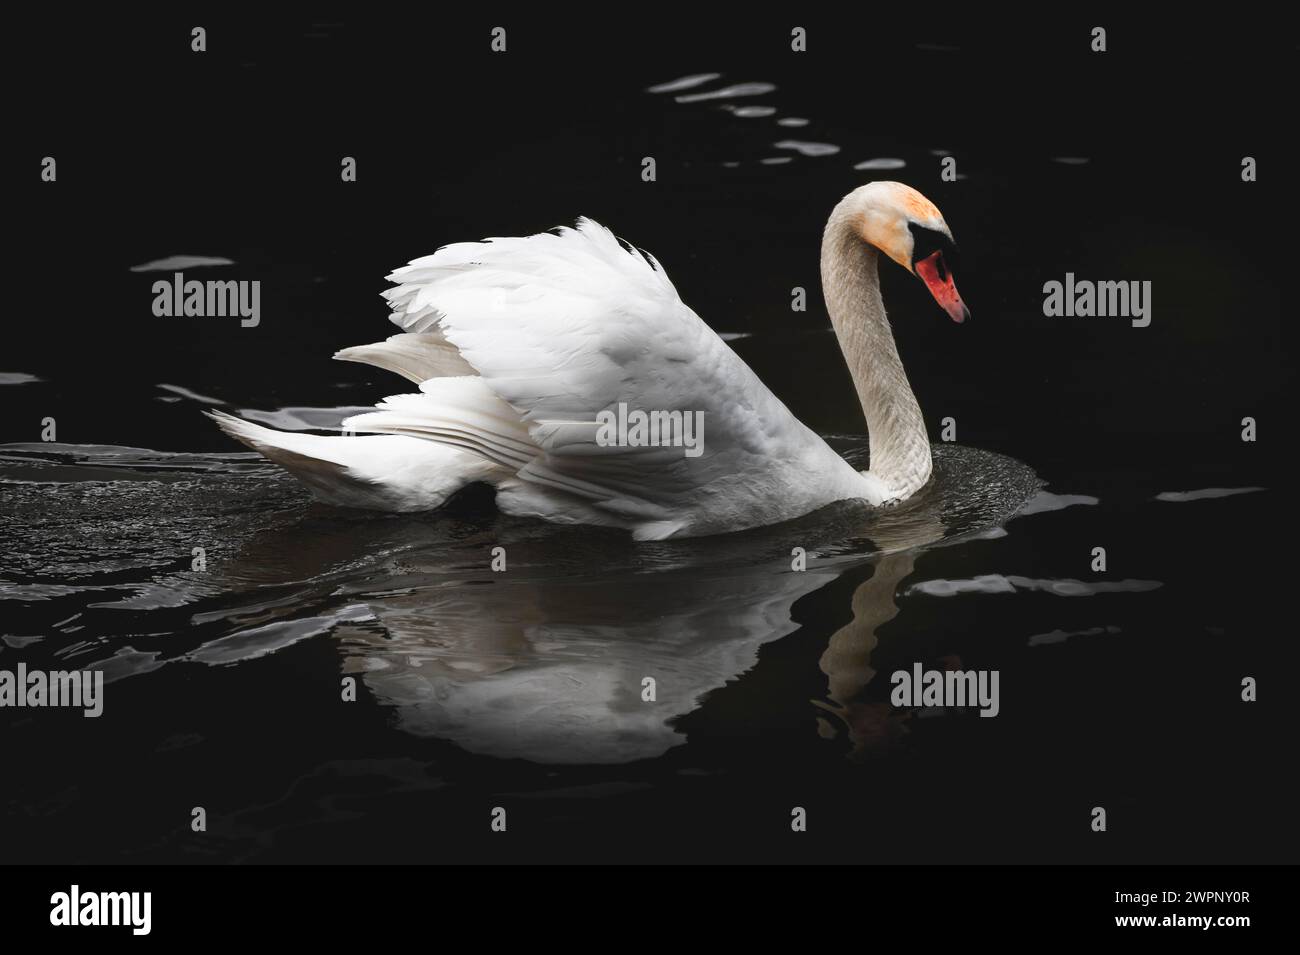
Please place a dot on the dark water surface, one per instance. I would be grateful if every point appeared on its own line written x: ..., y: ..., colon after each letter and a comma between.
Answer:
x: 522, y: 689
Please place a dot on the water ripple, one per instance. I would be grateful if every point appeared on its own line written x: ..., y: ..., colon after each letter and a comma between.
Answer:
x: 807, y: 148
x: 999, y: 584
x: 175, y: 263
x: 881, y: 164
x: 1206, y: 493
x: 684, y: 83
x: 729, y: 92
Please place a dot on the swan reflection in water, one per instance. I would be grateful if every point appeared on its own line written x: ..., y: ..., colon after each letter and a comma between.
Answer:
x: 871, y: 725
x: 548, y: 661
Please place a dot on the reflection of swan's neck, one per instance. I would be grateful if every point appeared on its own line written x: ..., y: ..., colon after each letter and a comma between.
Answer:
x: 847, y: 660
x: 900, y: 450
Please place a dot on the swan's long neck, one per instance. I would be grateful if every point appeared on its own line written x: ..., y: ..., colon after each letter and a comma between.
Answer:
x: 900, y: 449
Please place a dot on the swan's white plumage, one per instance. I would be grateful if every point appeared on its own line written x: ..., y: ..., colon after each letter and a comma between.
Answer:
x: 562, y: 325
x: 379, y: 472
x: 461, y: 412
x: 415, y: 356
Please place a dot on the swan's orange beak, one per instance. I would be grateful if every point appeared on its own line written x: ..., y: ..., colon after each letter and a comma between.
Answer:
x: 933, y: 271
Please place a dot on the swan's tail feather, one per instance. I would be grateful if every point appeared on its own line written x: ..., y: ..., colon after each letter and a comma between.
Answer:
x: 278, y: 445
x: 307, y: 457
x: 381, y: 472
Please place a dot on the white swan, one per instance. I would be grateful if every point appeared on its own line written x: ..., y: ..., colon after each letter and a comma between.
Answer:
x: 517, y: 344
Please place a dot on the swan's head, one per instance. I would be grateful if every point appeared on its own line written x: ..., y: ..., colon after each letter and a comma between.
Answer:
x: 907, y: 227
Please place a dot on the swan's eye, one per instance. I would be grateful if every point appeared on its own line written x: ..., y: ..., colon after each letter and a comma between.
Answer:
x: 929, y: 244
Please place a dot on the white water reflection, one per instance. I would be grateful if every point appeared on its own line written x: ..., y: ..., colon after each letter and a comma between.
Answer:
x: 1060, y: 636
x: 999, y: 584
x: 178, y: 262
x: 1206, y: 493
x: 1045, y: 501
x: 808, y: 149
x: 884, y: 163
x: 684, y: 83
x: 192, y: 395
x: 554, y: 671
x: 729, y: 92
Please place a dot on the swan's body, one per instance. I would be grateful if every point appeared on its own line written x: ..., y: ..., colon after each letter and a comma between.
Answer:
x: 517, y: 344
